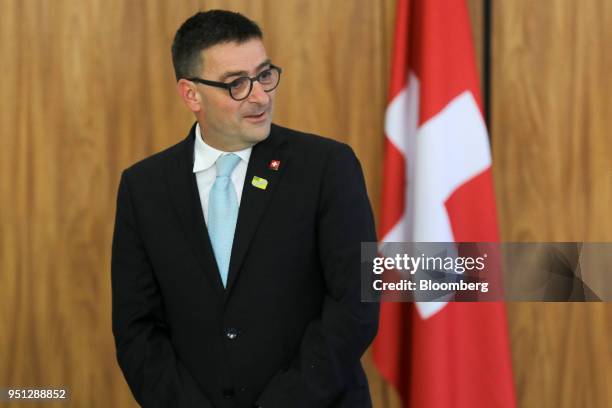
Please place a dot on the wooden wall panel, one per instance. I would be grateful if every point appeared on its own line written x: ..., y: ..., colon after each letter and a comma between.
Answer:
x: 86, y: 88
x: 551, y: 115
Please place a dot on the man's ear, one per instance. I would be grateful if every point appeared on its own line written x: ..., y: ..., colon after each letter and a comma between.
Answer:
x: 189, y: 94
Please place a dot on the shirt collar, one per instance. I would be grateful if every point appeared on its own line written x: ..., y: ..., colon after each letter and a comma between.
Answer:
x: 205, y: 155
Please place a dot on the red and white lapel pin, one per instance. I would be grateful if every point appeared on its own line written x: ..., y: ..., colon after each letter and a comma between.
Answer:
x: 274, y: 165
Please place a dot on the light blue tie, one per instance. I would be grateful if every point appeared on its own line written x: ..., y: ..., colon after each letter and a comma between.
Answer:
x: 223, y: 213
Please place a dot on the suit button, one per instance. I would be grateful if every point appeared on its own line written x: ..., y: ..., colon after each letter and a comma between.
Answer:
x: 228, y: 393
x: 231, y: 333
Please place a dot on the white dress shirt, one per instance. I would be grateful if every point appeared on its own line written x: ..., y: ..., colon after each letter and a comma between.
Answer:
x: 205, y: 170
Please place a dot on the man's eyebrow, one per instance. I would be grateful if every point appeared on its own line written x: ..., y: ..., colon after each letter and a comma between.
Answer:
x: 229, y: 74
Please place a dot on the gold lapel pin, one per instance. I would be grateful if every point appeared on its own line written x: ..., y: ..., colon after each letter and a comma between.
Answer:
x: 259, y: 182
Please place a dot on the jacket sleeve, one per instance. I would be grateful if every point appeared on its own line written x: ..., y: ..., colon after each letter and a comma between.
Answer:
x: 155, y: 375
x: 333, y: 344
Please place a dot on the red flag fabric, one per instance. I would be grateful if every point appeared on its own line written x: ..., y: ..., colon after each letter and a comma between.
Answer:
x: 438, y: 187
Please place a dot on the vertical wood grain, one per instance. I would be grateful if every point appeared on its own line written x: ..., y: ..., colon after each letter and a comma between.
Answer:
x: 551, y: 114
x: 86, y: 89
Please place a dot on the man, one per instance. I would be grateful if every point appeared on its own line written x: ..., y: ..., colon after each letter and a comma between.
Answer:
x: 236, y: 252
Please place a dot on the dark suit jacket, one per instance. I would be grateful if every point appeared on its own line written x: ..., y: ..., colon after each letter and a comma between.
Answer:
x: 289, y: 329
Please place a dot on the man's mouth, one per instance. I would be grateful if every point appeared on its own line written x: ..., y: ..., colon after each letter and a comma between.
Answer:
x: 258, y: 117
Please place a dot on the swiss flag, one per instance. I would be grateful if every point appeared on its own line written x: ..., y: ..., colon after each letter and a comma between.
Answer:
x: 438, y: 187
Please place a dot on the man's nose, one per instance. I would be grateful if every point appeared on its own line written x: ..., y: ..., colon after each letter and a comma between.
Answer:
x: 258, y: 95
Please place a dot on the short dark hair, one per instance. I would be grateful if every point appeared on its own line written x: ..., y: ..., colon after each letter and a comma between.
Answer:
x: 203, y: 30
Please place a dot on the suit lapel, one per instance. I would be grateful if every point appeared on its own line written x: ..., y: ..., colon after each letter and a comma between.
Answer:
x: 256, y: 200
x: 186, y: 200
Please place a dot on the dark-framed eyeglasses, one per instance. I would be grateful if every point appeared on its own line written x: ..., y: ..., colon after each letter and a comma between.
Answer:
x: 240, y: 88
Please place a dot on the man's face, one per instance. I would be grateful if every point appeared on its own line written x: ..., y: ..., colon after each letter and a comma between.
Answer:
x: 228, y: 124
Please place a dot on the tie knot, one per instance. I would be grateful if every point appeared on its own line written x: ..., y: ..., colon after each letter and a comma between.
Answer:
x: 226, y: 164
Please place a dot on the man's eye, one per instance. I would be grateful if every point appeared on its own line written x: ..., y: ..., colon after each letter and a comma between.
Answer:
x: 265, y: 74
x: 238, y: 83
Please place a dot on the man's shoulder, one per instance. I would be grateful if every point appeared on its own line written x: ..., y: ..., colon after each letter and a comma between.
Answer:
x: 156, y: 162
x: 308, y: 142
